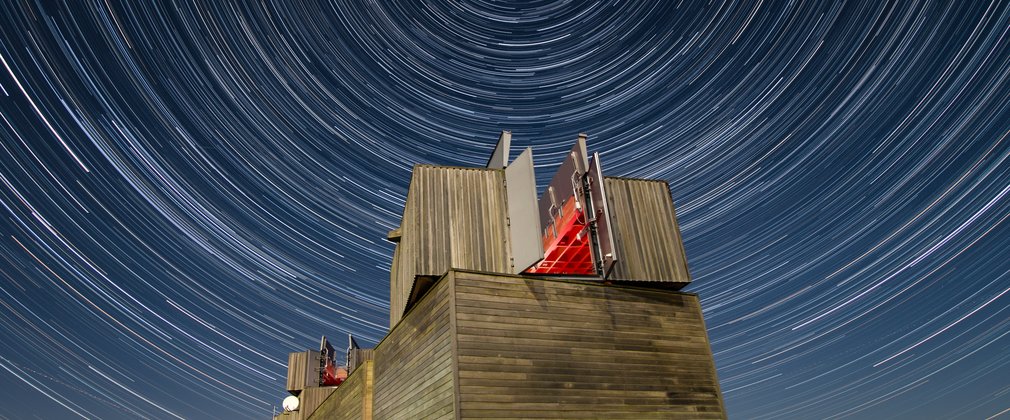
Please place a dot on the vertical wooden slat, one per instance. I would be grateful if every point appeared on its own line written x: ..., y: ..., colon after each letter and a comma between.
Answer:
x: 453, y: 218
x: 296, y: 371
x: 645, y: 230
x: 302, y: 370
x: 358, y: 357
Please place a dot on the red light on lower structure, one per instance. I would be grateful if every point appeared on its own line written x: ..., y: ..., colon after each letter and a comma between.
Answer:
x: 567, y: 246
x: 333, y: 375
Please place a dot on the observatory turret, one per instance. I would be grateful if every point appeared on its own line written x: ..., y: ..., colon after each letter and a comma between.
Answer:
x: 506, y: 303
x: 584, y: 225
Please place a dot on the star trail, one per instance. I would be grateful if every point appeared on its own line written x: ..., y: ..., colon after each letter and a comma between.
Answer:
x: 190, y: 190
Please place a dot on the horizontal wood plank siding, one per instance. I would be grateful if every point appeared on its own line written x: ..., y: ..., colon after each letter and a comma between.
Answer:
x: 368, y: 399
x: 352, y: 400
x: 311, y: 398
x: 645, y: 231
x: 530, y: 348
x: 452, y: 218
x: 413, y: 364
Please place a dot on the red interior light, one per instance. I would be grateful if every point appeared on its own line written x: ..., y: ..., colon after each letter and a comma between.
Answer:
x: 566, y: 246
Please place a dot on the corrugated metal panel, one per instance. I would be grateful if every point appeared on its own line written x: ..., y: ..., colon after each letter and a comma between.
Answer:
x: 453, y: 218
x: 645, y: 231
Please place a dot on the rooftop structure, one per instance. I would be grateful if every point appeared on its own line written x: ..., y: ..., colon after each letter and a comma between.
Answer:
x: 506, y: 305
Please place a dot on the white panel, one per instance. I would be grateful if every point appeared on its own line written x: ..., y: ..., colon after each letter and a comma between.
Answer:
x: 500, y: 156
x: 524, y: 217
x: 598, y: 195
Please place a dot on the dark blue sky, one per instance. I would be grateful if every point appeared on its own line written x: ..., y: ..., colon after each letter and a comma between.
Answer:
x: 191, y: 191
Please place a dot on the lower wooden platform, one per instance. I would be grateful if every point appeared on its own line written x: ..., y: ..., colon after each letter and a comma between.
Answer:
x: 480, y: 345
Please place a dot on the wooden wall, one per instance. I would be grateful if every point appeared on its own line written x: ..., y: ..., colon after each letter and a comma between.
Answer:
x: 368, y: 393
x: 645, y: 230
x: 352, y: 400
x: 303, y: 370
x: 530, y: 348
x: 452, y: 218
x: 413, y: 364
x: 483, y: 345
x: 309, y: 399
x: 358, y: 357
x: 456, y: 218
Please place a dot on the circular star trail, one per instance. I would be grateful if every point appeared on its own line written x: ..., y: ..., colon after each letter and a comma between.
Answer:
x: 190, y: 191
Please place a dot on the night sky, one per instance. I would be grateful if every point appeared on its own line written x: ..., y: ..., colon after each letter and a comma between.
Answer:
x: 192, y: 191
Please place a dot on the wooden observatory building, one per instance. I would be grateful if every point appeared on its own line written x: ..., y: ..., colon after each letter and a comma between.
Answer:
x: 509, y: 304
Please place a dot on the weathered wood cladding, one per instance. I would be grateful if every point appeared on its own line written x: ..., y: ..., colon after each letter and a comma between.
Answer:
x: 456, y: 218
x: 484, y: 345
x: 645, y: 230
x: 352, y: 400
x: 452, y: 218
x: 413, y: 364
x: 303, y: 370
x: 309, y: 400
x: 358, y: 357
x: 367, y: 402
x: 530, y: 348
x: 296, y: 371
